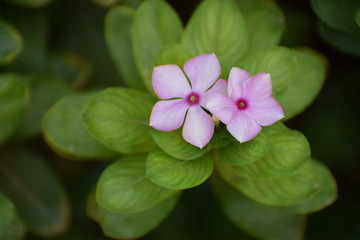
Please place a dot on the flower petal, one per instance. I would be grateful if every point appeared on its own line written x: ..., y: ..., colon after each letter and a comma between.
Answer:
x: 220, y: 87
x: 198, y: 127
x: 169, y: 81
x: 257, y: 87
x: 202, y: 71
x: 168, y: 115
x: 243, y: 127
x: 266, y: 111
x: 237, y: 77
x: 222, y: 107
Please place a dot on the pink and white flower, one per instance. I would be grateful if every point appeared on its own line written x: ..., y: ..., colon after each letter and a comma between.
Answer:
x: 249, y: 104
x: 184, y: 99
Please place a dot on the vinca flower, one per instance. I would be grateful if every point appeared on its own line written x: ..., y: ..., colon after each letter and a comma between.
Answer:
x: 249, y: 104
x: 182, y: 100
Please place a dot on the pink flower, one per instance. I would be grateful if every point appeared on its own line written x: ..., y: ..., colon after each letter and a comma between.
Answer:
x: 249, y: 105
x: 185, y: 99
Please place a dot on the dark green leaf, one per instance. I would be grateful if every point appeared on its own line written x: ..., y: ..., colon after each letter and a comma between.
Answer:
x: 118, y: 39
x: 10, y: 42
x: 119, y: 119
x: 63, y: 120
x: 14, y: 97
x: 29, y: 3
x: 124, y: 188
x: 11, y: 227
x: 176, y: 174
x: 155, y: 24
x: 217, y: 26
x: 38, y: 196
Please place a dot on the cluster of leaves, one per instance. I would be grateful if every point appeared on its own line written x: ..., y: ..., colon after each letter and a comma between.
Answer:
x: 340, y: 23
x: 271, y: 177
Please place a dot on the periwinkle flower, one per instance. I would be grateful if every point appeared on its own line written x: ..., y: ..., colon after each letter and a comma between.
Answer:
x: 249, y: 104
x: 183, y: 100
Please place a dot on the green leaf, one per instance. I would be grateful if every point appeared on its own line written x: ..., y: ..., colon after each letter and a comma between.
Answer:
x: 265, y: 22
x: 325, y: 196
x: 11, y: 227
x: 357, y: 17
x: 174, y: 144
x: 63, y: 120
x: 34, y: 189
x: 133, y: 225
x: 288, y: 150
x: 285, y: 191
x: 124, y: 187
x: 306, y: 82
x: 155, y: 24
x: 172, y: 54
x: 345, y: 42
x: 177, y: 174
x: 45, y: 91
x: 10, y: 42
x: 118, y: 40
x: 29, y: 3
x: 244, y: 153
x: 14, y: 97
x: 217, y: 27
x: 119, y: 119
x: 338, y: 13
x: 260, y: 221
x: 106, y: 3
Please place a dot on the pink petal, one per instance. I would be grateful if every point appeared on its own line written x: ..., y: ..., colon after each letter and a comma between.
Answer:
x: 169, y: 81
x: 237, y: 77
x: 222, y: 107
x: 168, y: 115
x: 243, y: 127
x: 198, y: 127
x: 202, y: 71
x: 257, y: 87
x: 266, y: 111
x: 220, y: 87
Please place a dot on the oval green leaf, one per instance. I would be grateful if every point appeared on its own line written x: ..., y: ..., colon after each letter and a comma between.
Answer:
x: 217, y: 26
x: 10, y: 42
x: 177, y: 174
x: 14, y: 97
x: 119, y: 119
x: 61, y: 122
x: 11, y: 227
x: 118, y: 40
x: 174, y: 144
x: 288, y: 150
x: 124, y: 187
x: 36, y: 192
x: 285, y: 191
x: 155, y: 24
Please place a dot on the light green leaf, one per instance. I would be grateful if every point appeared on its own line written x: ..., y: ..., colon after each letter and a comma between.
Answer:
x: 306, y: 82
x: 63, y: 120
x: 288, y: 150
x: 133, y: 225
x: 124, y: 188
x: 265, y: 22
x: 119, y: 119
x: 325, y: 196
x: 45, y: 91
x: 177, y: 174
x: 29, y: 3
x: 174, y: 144
x: 10, y: 42
x: 217, y: 26
x: 14, y: 97
x: 244, y: 153
x: 118, y: 40
x: 155, y: 24
x: 285, y: 191
x: 11, y: 227
x: 260, y: 221
x: 172, y: 54
x: 34, y: 189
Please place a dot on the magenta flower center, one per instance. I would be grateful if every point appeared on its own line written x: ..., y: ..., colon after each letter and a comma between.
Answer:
x: 193, y: 98
x: 241, y: 104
